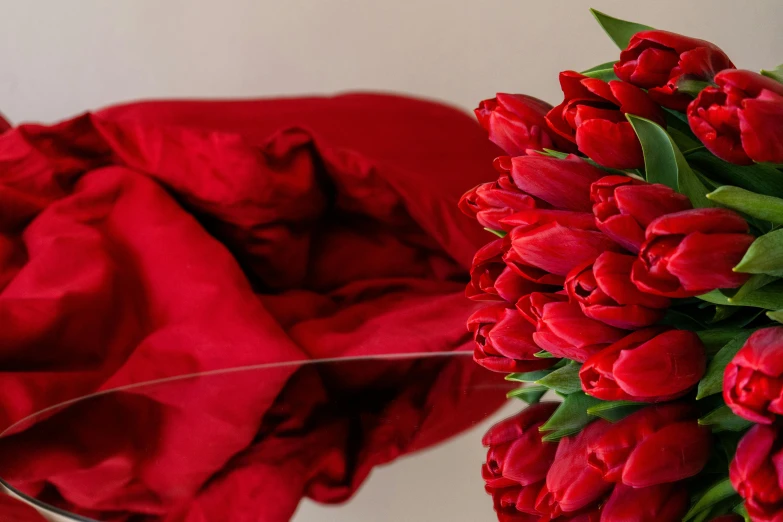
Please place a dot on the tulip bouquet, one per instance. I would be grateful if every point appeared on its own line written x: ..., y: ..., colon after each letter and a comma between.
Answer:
x: 637, y: 274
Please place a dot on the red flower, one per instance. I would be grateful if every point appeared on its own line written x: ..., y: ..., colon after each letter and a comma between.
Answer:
x: 571, y: 484
x: 564, y: 331
x: 692, y: 252
x: 656, y: 445
x: 504, y: 340
x: 740, y: 120
x: 661, y: 503
x: 488, y: 203
x: 537, y: 250
x: 605, y: 292
x: 563, y: 183
x: 492, y: 280
x: 650, y: 365
x: 592, y: 115
x: 517, y: 455
x: 756, y: 472
x: 516, y: 123
x: 516, y: 503
x: 624, y: 206
x: 657, y: 60
x: 753, y: 380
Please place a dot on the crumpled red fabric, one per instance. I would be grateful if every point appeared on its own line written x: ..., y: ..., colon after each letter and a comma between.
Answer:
x: 159, y: 239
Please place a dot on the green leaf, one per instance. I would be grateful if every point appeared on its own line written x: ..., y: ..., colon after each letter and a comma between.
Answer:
x: 570, y: 417
x: 529, y: 376
x: 613, y: 411
x: 741, y: 511
x: 681, y: 320
x: 723, y: 312
x: 759, y: 178
x: 543, y: 354
x: 755, y: 282
x: 716, y: 339
x: 759, y: 206
x: 684, y: 141
x: 565, y: 380
x: 769, y: 297
x: 690, y: 86
x: 664, y: 163
x: 712, y: 382
x: 600, y: 67
x: 620, y: 31
x: 776, y: 73
x: 499, y: 233
x: 529, y: 394
x: 776, y: 315
x: 765, y: 255
x: 723, y: 419
x: 719, y: 491
x: 556, y: 153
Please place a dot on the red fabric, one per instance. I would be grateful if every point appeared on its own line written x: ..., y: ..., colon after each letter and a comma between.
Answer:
x: 167, y: 238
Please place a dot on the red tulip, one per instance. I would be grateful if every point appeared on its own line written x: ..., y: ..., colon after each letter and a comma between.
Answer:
x: 564, y: 331
x: 537, y: 251
x: 650, y: 365
x: 517, y: 455
x: 624, y: 206
x: 504, y: 340
x: 515, y: 504
x: 692, y: 252
x: 604, y: 291
x: 656, y: 445
x: 756, y: 472
x: 532, y: 305
x: 490, y: 202
x: 753, y: 380
x: 592, y: 115
x: 563, y: 183
x: 661, y: 503
x: 492, y: 280
x: 516, y: 123
x: 657, y: 60
x: 571, y: 484
x: 740, y: 120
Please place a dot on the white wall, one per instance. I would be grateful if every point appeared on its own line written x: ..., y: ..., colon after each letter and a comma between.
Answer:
x: 60, y: 57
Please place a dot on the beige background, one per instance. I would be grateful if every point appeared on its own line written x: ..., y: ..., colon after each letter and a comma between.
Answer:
x: 60, y: 57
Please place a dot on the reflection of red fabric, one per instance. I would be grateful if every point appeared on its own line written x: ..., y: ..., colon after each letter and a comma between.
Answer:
x: 159, y: 239
x: 12, y: 510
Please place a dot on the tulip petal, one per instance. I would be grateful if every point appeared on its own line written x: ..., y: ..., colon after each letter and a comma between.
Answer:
x: 662, y: 503
x: 761, y: 127
x: 675, y: 452
x: 667, y: 365
x: 704, y: 262
x: 563, y: 183
x: 610, y: 144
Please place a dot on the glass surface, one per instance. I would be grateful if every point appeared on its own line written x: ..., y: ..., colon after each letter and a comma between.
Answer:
x: 262, y: 438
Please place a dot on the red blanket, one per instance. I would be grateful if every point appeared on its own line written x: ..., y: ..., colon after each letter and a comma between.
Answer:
x: 167, y: 238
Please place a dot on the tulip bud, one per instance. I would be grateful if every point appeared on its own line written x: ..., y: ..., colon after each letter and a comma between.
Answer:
x: 504, y: 340
x: 516, y: 503
x: 564, y: 331
x: 650, y: 365
x: 656, y: 445
x: 592, y: 115
x: 656, y: 60
x: 536, y: 250
x: 492, y: 280
x: 692, y: 252
x: 571, y: 484
x: 516, y: 123
x: 624, y: 206
x: 740, y: 120
x: 661, y: 503
x: 490, y: 202
x: 563, y: 183
x: 756, y: 474
x: 605, y: 293
x: 517, y: 455
x: 753, y: 380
